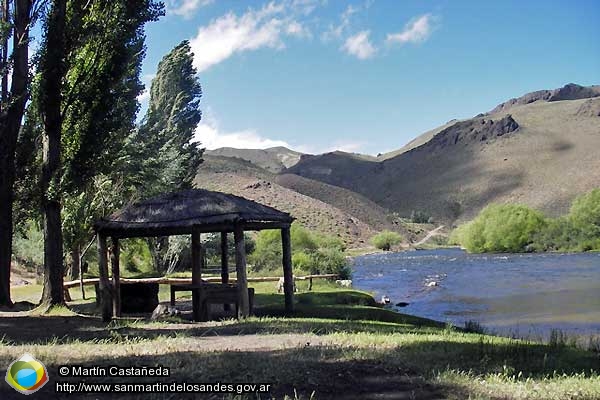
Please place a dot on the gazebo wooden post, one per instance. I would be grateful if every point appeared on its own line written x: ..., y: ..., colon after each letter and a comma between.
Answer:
x: 224, y: 263
x: 288, y: 278
x: 105, y: 290
x: 240, y: 266
x: 116, y: 277
x: 196, y: 273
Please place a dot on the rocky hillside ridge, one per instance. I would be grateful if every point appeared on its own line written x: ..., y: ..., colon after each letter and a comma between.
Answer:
x: 537, y: 150
x: 312, y: 213
x: 469, y: 131
x: 570, y: 91
x: 541, y: 154
x: 274, y: 159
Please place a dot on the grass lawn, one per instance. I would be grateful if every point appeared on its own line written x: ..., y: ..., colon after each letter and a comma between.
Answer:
x: 338, y: 344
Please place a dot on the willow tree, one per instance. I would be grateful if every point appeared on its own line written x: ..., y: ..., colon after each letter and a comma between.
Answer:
x: 167, y: 131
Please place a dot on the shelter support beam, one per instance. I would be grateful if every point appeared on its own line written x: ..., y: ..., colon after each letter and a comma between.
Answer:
x: 224, y: 264
x: 224, y: 260
x: 288, y: 278
x: 105, y: 290
x: 116, y: 277
x: 240, y: 266
x: 196, y: 274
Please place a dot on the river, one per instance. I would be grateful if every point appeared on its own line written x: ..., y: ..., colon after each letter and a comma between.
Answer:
x: 525, y: 295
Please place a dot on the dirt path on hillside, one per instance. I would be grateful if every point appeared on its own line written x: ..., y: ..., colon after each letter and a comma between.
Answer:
x: 430, y: 234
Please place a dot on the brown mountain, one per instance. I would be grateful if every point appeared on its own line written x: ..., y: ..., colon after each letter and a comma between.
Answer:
x: 320, y: 207
x: 539, y: 149
x: 274, y: 159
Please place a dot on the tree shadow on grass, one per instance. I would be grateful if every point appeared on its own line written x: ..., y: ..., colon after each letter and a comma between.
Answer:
x: 30, y: 330
x: 404, y: 371
x: 290, y: 371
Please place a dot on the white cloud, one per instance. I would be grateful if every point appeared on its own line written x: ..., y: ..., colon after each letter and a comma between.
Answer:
x: 360, y: 46
x: 211, y: 137
x: 336, y: 31
x: 341, y: 145
x: 417, y: 30
x: 306, y: 7
x: 147, y: 81
x: 144, y: 96
x: 230, y: 34
x: 295, y: 28
x: 186, y: 8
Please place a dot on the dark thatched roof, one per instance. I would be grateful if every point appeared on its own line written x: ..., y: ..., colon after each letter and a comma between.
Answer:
x: 178, y: 212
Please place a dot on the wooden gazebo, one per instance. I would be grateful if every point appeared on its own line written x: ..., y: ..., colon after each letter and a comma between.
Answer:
x: 192, y: 212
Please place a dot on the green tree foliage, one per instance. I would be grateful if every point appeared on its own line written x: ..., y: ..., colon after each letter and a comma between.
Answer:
x: 106, y: 43
x: 585, y: 213
x: 212, y: 247
x: 559, y: 234
x: 16, y: 20
x: 511, y: 228
x: 311, y: 253
x: 420, y: 217
x: 501, y: 228
x: 104, y: 46
x: 167, y: 130
x: 166, y: 156
x: 577, y: 231
x: 386, y: 240
x: 102, y: 83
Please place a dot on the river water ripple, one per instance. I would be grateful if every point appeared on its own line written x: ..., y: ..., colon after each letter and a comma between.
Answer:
x: 524, y: 295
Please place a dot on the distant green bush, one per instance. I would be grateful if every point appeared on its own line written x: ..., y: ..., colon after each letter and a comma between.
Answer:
x: 28, y: 244
x: 420, y: 217
x: 501, y: 228
x: 301, y: 261
x: 514, y: 228
x: 386, y: 240
x: 212, y: 246
x: 135, y: 256
x: 585, y: 214
x: 311, y: 253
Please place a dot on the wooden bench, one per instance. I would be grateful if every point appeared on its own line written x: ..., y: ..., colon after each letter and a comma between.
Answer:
x: 213, y: 294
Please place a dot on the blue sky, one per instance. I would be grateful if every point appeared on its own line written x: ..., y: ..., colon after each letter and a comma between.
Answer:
x: 368, y: 76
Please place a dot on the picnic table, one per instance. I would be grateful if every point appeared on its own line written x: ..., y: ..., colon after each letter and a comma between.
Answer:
x: 213, y: 293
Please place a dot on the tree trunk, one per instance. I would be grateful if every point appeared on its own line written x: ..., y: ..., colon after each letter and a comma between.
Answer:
x: 53, y: 70
x: 10, y: 122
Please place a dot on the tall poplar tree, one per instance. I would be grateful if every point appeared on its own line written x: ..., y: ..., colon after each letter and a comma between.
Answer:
x: 165, y: 136
x: 16, y: 20
x: 89, y: 81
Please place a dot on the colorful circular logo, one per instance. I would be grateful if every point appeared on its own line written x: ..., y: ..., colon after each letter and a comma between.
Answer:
x: 26, y: 375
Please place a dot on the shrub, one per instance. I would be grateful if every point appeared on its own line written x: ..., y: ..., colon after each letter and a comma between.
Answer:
x: 136, y: 256
x: 514, y: 228
x: 420, y: 217
x: 559, y: 234
x: 311, y: 253
x: 585, y: 213
x: 301, y: 261
x: 329, y: 260
x: 386, y: 239
x: 28, y: 245
x: 577, y: 231
x: 501, y: 228
x: 212, y: 246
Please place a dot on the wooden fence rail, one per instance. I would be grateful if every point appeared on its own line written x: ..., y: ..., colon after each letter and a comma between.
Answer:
x: 184, y: 281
